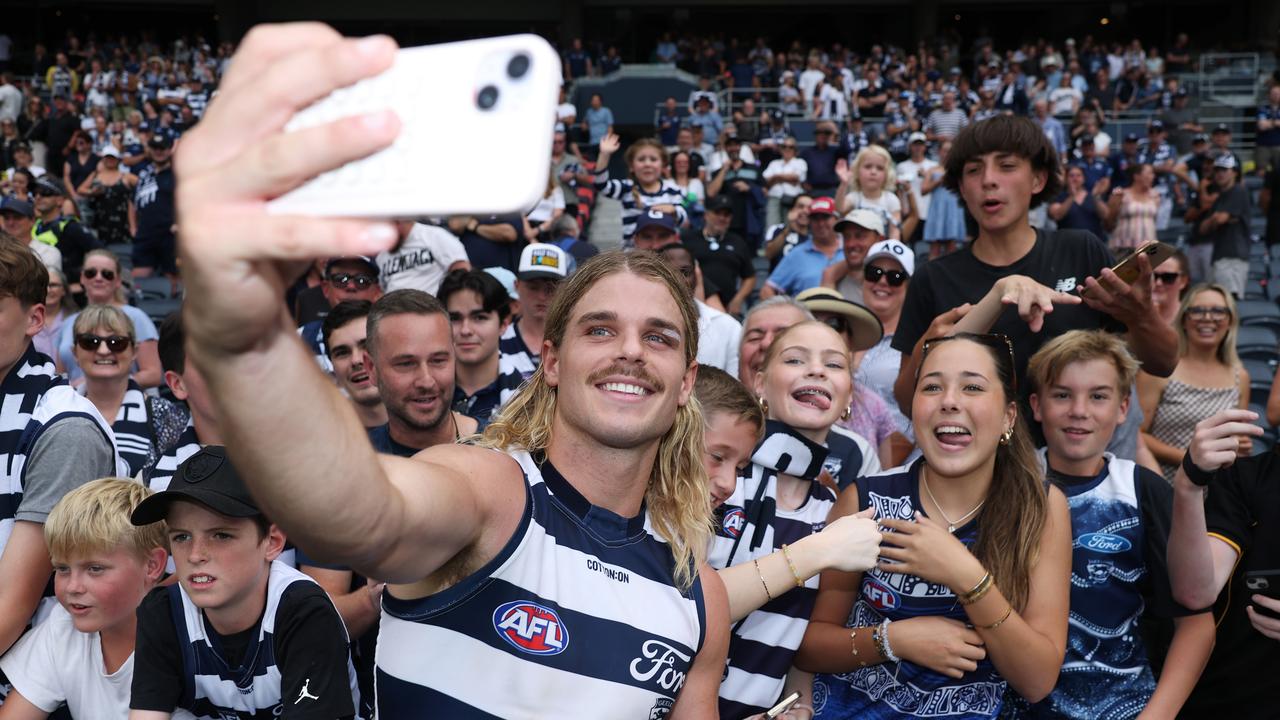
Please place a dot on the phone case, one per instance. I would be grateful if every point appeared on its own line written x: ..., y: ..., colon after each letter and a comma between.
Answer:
x: 452, y: 154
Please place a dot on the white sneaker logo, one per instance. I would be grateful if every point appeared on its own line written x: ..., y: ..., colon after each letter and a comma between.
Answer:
x: 305, y: 694
x: 1066, y: 285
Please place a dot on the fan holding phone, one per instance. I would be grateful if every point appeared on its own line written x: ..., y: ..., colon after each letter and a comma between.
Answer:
x: 1225, y: 549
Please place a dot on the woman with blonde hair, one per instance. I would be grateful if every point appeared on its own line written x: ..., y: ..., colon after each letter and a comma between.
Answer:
x: 105, y: 347
x: 971, y: 592
x: 1209, y: 377
x: 103, y: 285
x: 871, y: 182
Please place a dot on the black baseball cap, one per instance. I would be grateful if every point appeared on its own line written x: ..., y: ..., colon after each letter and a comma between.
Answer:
x: 1221, y: 128
x: 719, y: 202
x: 207, y: 478
x: 160, y: 141
x: 47, y: 184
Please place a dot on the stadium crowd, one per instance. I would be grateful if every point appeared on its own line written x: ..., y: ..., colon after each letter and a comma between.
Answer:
x: 874, y: 418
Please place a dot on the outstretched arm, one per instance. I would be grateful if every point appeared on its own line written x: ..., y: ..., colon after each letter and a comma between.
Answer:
x: 401, y: 519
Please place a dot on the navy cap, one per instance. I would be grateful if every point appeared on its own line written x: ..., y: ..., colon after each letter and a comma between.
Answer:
x: 1131, y: 137
x: 1181, y: 93
x: 49, y: 185
x: 207, y: 478
x: 776, y: 115
x: 1200, y: 138
x: 1221, y: 128
x: 160, y: 141
x: 363, y: 259
x: 657, y: 218
x: 14, y: 205
x: 719, y: 202
x: 1156, y: 126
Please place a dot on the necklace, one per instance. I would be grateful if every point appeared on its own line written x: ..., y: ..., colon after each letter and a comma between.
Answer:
x: 951, y: 524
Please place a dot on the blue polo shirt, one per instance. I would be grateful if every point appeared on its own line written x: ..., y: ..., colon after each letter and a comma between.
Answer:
x: 802, y: 268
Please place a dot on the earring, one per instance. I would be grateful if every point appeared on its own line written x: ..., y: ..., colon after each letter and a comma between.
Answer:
x: 848, y: 410
x: 764, y: 406
x: 1006, y: 437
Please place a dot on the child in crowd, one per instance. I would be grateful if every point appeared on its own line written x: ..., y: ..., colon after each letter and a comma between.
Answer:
x: 1120, y: 515
x: 82, y: 654
x: 203, y: 642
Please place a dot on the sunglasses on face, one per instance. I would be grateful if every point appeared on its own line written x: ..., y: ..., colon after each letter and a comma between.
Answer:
x: 351, y: 281
x: 1167, y: 278
x: 895, y: 278
x: 115, y: 343
x: 92, y: 273
x: 1001, y: 344
x: 1200, y: 312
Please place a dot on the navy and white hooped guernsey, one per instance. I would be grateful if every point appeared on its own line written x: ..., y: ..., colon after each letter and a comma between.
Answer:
x: 211, y: 689
x: 577, y: 617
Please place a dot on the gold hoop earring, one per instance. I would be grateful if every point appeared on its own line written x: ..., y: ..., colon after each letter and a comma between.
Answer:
x: 764, y: 406
x: 848, y: 410
x: 1006, y: 437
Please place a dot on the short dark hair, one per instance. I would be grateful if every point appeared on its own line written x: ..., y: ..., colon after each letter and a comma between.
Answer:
x: 406, y: 301
x: 22, y: 274
x: 1020, y: 136
x: 341, y: 314
x: 493, y: 297
x: 173, y: 356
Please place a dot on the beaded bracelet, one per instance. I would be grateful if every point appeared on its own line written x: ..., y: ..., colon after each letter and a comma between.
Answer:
x: 881, y: 637
x: 786, y: 552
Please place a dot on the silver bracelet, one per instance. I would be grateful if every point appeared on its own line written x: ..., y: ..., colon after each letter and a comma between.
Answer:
x: 884, y: 638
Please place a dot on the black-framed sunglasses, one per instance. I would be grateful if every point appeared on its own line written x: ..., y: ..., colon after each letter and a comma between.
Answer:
x: 1167, y: 278
x: 92, y: 273
x: 1201, y: 312
x: 115, y: 343
x: 998, y: 342
x: 872, y: 274
x: 345, y: 281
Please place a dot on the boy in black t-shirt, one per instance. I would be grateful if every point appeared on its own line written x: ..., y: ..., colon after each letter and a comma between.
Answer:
x: 1001, y: 168
x: 200, y: 642
x: 1213, y: 543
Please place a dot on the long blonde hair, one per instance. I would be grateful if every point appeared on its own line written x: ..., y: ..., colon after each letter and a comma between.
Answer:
x: 1226, y: 353
x: 677, y: 494
x: 890, y: 170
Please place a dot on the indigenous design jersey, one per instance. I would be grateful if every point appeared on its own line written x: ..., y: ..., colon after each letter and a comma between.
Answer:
x: 211, y: 688
x: 577, y: 617
x: 750, y: 525
x: 887, y: 690
x: 1106, y: 673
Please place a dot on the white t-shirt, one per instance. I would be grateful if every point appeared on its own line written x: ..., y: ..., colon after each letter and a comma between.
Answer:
x: 718, y: 336
x: 887, y: 205
x: 55, y: 663
x: 833, y: 103
x: 541, y: 212
x: 809, y: 80
x: 421, y: 261
x: 795, y: 166
x: 718, y: 158
x: 909, y: 171
x: 1064, y: 100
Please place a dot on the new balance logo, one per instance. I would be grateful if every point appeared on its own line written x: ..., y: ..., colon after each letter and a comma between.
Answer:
x: 1066, y: 285
x: 305, y: 694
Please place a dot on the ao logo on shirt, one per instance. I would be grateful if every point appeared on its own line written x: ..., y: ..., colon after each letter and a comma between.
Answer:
x: 531, y: 628
x: 734, y: 522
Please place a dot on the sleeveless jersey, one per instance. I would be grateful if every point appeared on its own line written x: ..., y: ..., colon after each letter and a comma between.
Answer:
x: 887, y: 690
x: 131, y: 428
x: 211, y: 688
x: 577, y: 617
x: 1106, y: 673
x: 763, y: 644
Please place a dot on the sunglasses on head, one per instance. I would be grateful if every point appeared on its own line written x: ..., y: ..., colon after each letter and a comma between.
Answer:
x: 92, y: 273
x: 1167, y: 278
x: 1001, y: 344
x: 895, y: 278
x: 115, y: 343
x: 348, y: 281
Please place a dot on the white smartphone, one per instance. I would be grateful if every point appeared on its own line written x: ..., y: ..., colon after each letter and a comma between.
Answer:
x: 476, y: 129
x: 783, y: 706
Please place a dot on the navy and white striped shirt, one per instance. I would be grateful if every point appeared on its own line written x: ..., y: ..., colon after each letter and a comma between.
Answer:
x: 157, y: 477
x: 578, y: 616
x: 212, y: 688
x: 516, y: 362
x: 132, y: 429
x: 636, y: 200
x: 763, y: 644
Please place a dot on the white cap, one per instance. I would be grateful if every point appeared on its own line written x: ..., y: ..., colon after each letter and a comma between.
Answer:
x: 893, y: 250
x: 917, y: 136
x: 110, y: 151
x: 542, y: 260
x: 863, y: 217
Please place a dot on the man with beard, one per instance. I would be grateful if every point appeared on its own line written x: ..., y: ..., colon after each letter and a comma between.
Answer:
x: 343, y: 331
x: 784, y: 237
x: 409, y: 353
x: 542, y: 268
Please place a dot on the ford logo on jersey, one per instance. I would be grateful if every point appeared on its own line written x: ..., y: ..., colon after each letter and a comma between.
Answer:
x: 733, y: 523
x: 531, y: 628
x: 881, y: 596
x: 1104, y: 543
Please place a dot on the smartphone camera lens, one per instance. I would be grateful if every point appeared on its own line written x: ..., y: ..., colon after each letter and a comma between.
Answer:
x: 518, y: 66
x: 487, y: 98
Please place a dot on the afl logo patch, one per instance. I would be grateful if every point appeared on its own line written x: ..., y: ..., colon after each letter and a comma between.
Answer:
x: 734, y: 521
x: 531, y: 628
x: 881, y: 596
